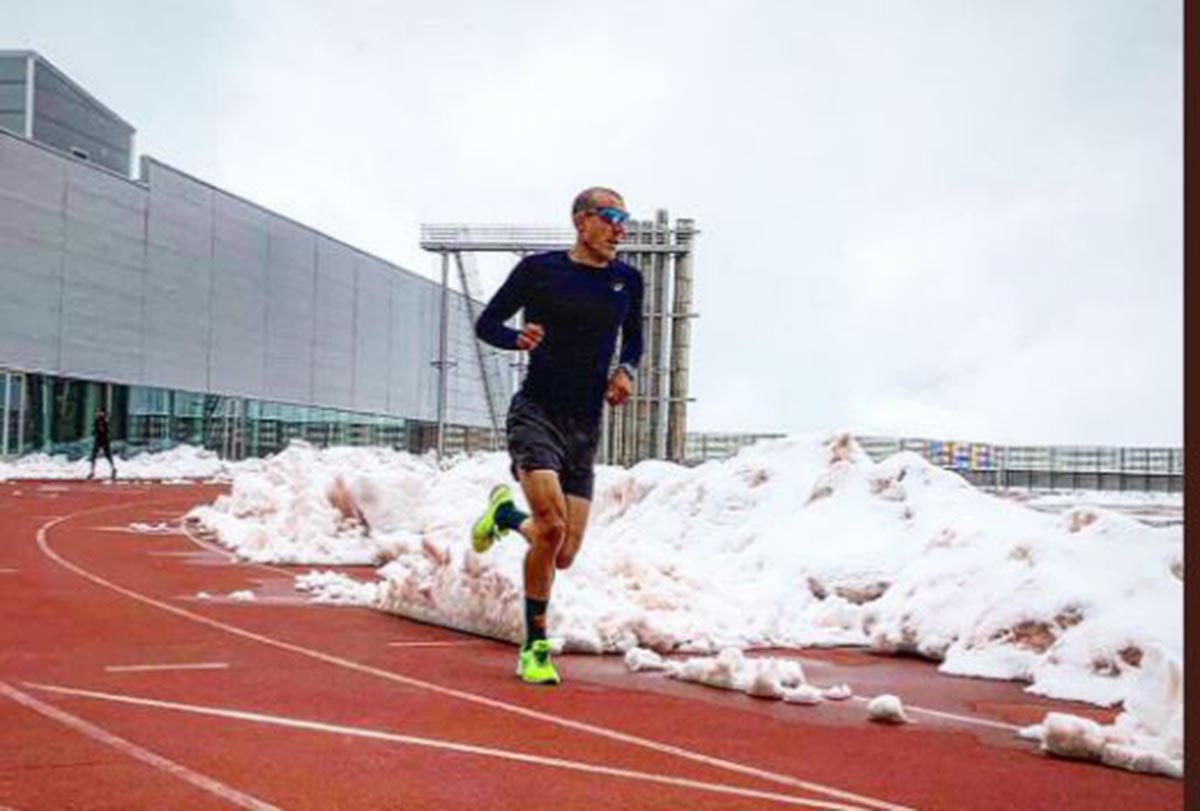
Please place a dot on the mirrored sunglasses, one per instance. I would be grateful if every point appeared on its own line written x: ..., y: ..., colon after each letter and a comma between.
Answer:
x: 612, y: 216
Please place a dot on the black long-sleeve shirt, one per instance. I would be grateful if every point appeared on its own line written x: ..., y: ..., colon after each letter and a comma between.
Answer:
x: 581, y: 308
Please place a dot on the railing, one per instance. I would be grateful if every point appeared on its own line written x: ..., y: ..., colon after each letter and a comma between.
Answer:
x: 1036, y: 467
x: 439, y: 237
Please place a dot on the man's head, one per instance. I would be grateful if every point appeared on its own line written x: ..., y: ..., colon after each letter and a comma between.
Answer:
x: 599, y: 215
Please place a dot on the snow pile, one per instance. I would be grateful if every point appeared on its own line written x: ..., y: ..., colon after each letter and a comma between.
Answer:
x: 637, y: 659
x: 731, y: 669
x: 158, y: 528
x: 181, y: 462
x: 309, y: 506
x: 337, y: 589
x: 887, y: 709
x: 802, y: 541
x: 1146, y: 737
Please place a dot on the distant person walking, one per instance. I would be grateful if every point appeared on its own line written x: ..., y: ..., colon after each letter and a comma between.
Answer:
x: 100, y: 442
x: 575, y: 304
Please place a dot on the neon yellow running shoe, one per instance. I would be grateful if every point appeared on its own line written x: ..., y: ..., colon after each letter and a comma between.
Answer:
x: 485, y: 532
x: 534, y: 665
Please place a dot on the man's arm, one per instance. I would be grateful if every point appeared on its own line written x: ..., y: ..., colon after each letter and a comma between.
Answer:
x: 504, y: 305
x: 621, y: 384
x: 631, y: 330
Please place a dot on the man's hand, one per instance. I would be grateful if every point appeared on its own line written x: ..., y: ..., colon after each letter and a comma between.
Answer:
x: 619, y: 388
x: 531, y: 335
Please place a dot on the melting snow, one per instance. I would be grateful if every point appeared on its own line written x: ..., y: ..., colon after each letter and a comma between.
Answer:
x: 887, y: 709
x: 795, y: 542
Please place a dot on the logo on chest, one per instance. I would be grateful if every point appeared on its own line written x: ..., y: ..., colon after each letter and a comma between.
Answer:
x: 617, y: 285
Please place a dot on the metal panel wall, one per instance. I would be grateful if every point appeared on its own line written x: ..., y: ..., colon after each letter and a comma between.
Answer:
x: 176, y: 284
x: 32, y: 191
x: 103, y: 276
x: 291, y: 285
x: 178, y: 294
x: 333, y: 343
x: 12, y: 93
x: 465, y: 376
x: 372, y: 340
x: 239, y: 298
x: 415, y: 307
x: 67, y: 119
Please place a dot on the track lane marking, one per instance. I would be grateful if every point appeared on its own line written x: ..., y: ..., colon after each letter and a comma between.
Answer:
x: 96, y: 733
x: 439, y: 643
x: 156, y: 668
x: 436, y: 743
x: 474, y: 698
x: 233, y: 556
x: 955, y: 717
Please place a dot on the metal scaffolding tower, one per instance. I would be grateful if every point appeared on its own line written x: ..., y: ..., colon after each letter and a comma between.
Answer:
x: 653, y: 424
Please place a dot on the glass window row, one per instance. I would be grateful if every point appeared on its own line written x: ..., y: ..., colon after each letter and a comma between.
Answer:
x: 54, y: 415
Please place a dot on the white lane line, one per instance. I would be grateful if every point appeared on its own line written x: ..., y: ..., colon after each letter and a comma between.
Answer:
x: 435, y: 743
x: 474, y: 698
x: 147, y: 533
x: 291, y: 574
x: 439, y: 644
x: 208, y: 547
x: 154, y: 668
x: 172, y: 768
x: 966, y: 719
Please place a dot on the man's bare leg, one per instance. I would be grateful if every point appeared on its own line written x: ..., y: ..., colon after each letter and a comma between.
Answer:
x: 545, y: 529
x: 577, y: 518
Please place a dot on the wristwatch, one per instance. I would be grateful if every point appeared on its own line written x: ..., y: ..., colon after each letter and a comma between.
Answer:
x: 628, y: 369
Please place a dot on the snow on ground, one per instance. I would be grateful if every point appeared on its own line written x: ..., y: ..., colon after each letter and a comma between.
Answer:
x: 794, y: 542
x: 337, y: 589
x: 179, y: 463
x: 887, y: 709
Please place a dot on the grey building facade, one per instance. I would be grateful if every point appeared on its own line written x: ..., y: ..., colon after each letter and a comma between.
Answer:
x: 197, y: 316
x: 40, y: 102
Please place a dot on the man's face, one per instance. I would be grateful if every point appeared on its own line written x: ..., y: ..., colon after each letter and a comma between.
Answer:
x: 597, y: 234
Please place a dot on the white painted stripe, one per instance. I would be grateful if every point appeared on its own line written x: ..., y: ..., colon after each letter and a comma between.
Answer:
x: 452, y: 746
x: 181, y: 666
x: 208, y: 547
x: 474, y: 698
x: 172, y: 768
x: 233, y: 557
x: 170, y: 532
x: 966, y: 719
x: 440, y: 643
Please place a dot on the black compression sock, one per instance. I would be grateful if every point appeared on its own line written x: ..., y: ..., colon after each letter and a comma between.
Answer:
x: 535, y: 620
x: 509, y: 517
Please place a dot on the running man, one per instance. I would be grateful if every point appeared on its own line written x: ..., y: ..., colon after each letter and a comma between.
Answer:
x: 575, y: 303
x: 100, y: 442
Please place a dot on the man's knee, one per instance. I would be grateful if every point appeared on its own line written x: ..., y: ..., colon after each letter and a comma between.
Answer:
x: 550, y: 530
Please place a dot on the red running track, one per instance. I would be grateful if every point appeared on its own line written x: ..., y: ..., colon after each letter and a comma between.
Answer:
x: 121, y: 689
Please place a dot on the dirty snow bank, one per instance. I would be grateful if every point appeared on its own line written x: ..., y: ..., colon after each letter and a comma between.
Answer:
x: 802, y: 541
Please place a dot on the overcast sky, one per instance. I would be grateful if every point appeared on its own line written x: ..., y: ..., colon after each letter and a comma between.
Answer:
x: 951, y: 219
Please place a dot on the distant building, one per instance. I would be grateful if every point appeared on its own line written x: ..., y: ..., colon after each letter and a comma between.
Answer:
x: 194, y: 315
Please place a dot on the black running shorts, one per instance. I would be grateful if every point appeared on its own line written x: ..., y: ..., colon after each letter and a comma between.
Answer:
x: 539, y: 440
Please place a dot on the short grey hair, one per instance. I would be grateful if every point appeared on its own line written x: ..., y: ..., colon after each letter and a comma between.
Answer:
x: 586, y: 199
